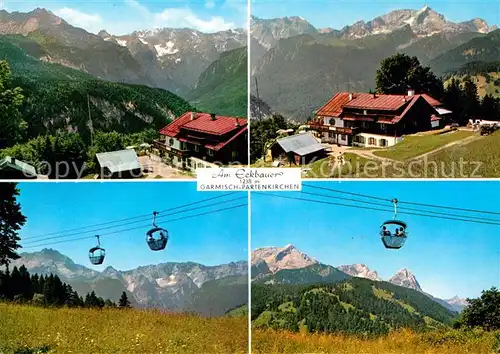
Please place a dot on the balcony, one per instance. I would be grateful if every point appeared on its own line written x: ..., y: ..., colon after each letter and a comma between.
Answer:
x: 164, y: 148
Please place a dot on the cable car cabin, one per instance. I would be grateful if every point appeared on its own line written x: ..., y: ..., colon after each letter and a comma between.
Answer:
x: 157, y: 238
x: 394, y: 234
x: 96, y: 255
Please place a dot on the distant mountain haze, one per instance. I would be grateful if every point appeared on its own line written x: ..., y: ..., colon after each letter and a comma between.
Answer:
x: 185, y: 286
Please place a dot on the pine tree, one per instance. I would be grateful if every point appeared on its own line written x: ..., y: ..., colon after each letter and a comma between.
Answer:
x: 11, y: 221
x: 124, y: 302
x: 471, y: 98
x: 490, y: 108
x: 25, y: 283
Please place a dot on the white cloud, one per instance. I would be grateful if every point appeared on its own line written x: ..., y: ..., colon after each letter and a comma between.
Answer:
x: 239, y: 5
x: 210, y: 4
x: 91, y: 22
x: 184, y: 17
x: 143, y: 10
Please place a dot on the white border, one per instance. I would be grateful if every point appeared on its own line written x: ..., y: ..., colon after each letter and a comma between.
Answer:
x: 249, y: 204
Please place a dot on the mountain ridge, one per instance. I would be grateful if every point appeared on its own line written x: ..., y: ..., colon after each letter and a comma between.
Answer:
x: 177, y: 286
x: 260, y: 256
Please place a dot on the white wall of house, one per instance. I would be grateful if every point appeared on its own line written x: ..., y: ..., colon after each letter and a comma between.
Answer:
x: 375, y: 140
x: 339, y: 123
x: 173, y: 143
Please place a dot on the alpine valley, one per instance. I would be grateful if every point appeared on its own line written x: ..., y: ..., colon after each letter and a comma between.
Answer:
x: 290, y: 289
x: 298, y: 67
x: 189, y: 286
x: 128, y: 83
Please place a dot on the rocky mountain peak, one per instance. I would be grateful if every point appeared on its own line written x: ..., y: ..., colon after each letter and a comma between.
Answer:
x: 406, y: 279
x: 278, y: 258
x: 104, y: 34
x: 360, y: 271
x: 457, y: 301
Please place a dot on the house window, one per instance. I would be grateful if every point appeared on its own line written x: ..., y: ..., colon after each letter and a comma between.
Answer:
x: 343, y: 137
x: 189, y: 162
x: 332, y: 121
x: 383, y: 142
x: 234, y: 155
x: 210, y: 152
x: 383, y: 126
x: 200, y: 165
x: 171, y: 142
x: 371, y: 141
x: 331, y: 135
x: 197, y: 148
x: 365, y: 112
x: 361, y: 139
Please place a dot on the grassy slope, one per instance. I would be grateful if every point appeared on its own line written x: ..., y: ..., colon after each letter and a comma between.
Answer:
x: 118, y: 331
x: 477, y: 159
x: 222, y: 88
x: 484, y: 86
x: 402, y: 342
x: 413, y: 146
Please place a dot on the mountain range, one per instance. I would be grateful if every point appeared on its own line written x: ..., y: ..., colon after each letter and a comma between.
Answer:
x: 189, y: 286
x: 299, y: 67
x: 288, y: 265
x: 177, y: 60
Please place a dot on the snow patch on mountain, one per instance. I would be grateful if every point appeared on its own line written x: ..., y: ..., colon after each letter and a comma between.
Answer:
x: 360, y: 271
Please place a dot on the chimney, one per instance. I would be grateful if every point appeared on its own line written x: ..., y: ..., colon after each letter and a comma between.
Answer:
x: 212, y: 115
x: 237, y: 124
x: 350, y: 96
x: 193, y: 115
x: 374, y: 95
x: 411, y: 93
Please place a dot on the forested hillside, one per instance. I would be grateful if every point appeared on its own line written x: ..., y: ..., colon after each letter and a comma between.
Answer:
x: 222, y: 88
x: 57, y: 98
x: 355, y: 306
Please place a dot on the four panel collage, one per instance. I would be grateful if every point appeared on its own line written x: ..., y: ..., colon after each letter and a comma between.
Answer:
x: 112, y: 113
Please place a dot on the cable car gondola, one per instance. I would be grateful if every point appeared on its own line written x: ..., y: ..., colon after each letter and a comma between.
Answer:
x: 156, y: 237
x: 97, y: 254
x: 394, y: 232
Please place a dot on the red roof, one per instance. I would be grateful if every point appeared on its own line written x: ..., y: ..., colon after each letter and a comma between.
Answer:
x: 359, y: 119
x: 203, y: 123
x: 432, y: 101
x: 224, y: 143
x: 333, y: 108
x: 378, y: 102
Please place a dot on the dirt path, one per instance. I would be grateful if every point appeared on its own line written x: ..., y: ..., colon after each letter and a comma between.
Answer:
x: 369, y: 154
x: 156, y: 168
x: 463, y: 141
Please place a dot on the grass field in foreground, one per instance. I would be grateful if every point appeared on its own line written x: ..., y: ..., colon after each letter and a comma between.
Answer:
x: 402, y: 342
x: 476, y: 159
x: 413, y: 146
x: 27, y: 329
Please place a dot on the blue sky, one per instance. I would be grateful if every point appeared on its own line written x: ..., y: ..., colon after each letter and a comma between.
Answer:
x: 210, y: 239
x: 448, y: 257
x: 337, y: 14
x: 125, y: 16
